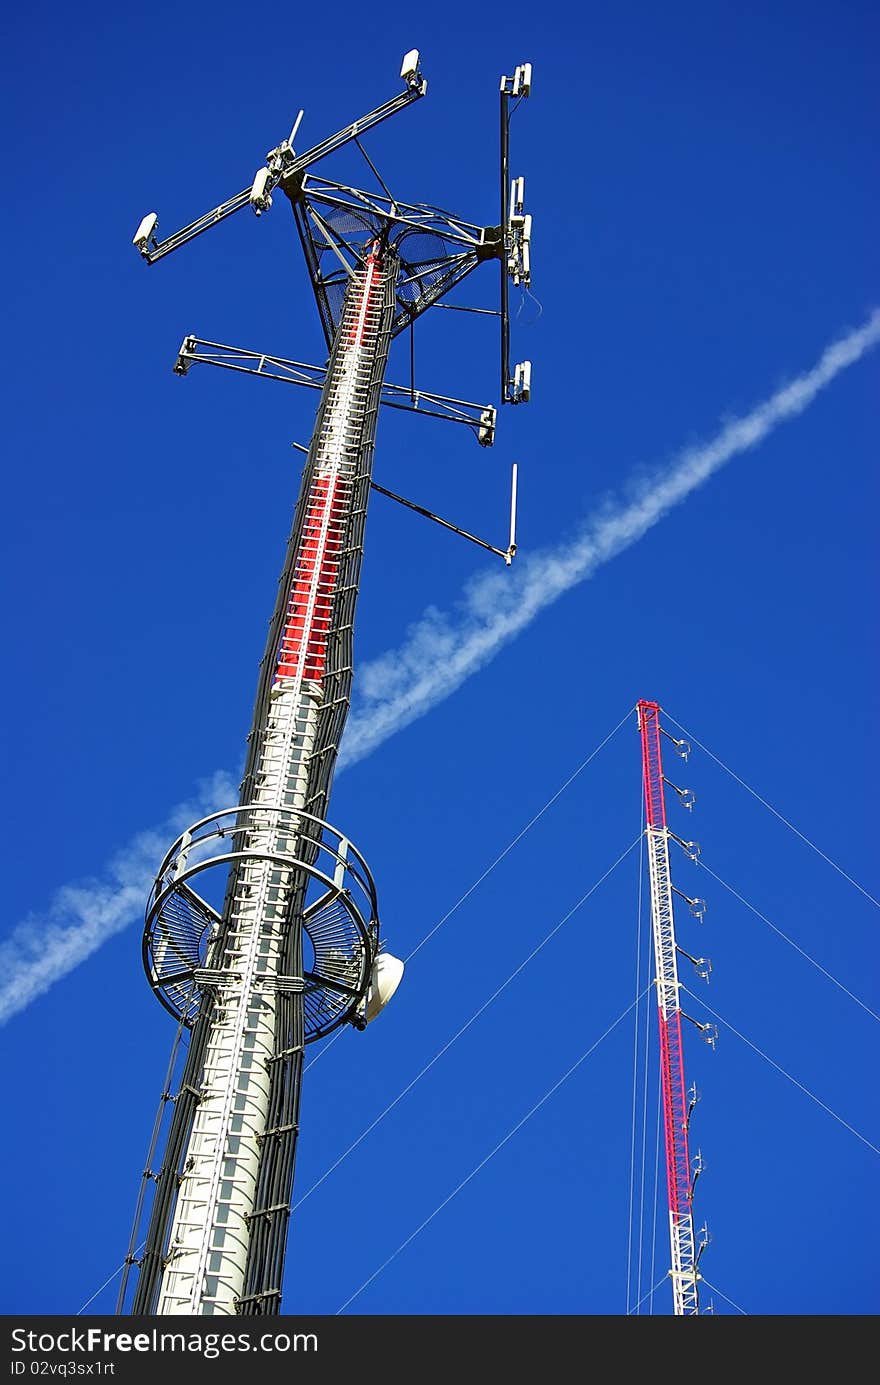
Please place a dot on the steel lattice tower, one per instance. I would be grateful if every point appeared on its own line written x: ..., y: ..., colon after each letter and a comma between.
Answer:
x: 291, y: 948
x: 677, y: 1105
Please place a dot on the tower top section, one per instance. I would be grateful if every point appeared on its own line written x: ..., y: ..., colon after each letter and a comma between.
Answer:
x: 338, y: 224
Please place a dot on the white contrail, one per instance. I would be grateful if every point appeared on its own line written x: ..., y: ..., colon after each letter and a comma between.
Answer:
x: 80, y: 917
x: 438, y: 654
x: 441, y: 651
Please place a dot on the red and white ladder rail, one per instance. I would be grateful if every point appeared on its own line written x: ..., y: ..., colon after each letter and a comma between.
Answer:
x: 209, y: 1237
x: 683, y: 1272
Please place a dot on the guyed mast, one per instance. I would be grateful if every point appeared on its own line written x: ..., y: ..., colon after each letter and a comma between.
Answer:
x: 677, y: 1103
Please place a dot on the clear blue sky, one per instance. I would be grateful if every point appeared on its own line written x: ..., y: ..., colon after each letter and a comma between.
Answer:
x: 705, y: 223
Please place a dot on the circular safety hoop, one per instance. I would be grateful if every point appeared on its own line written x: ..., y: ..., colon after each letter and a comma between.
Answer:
x: 291, y: 856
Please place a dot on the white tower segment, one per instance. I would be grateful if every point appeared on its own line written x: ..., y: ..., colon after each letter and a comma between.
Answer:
x: 210, y: 1234
x: 207, y: 1242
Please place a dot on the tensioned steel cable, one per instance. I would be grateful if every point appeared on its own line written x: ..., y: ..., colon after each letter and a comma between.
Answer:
x: 110, y: 1280
x: 321, y: 1051
x: 716, y: 1290
x: 819, y: 852
x: 787, y: 939
x: 475, y: 1016
x: 709, y: 1008
x: 498, y: 859
x: 483, y: 1162
x: 540, y: 813
x: 650, y: 1294
x: 773, y: 1064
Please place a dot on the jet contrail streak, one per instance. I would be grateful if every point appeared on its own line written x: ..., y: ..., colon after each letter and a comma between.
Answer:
x: 441, y: 651
x: 438, y: 654
x: 81, y: 916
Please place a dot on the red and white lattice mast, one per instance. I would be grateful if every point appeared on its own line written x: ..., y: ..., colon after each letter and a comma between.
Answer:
x: 677, y: 1103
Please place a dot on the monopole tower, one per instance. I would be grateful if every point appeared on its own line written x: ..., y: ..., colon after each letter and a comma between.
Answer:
x: 262, y: 929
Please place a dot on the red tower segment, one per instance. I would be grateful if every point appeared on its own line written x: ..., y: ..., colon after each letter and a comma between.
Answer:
x: 302, y: 649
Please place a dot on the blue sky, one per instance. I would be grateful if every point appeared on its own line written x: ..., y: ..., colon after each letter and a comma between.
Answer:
x: 703, y: 212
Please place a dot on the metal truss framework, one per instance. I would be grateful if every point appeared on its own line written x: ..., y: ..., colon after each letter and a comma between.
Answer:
x: 480, y: 418
x: 294, y: 950
x: 281, y: 162
x: 437, y: 249
x: 336, y: 222
x: 684, y: 1255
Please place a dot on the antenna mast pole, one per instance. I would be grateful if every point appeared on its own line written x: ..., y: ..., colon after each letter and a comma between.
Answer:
x: 219, y: 1248
x: 287, y: 948
x: 684, y: 1272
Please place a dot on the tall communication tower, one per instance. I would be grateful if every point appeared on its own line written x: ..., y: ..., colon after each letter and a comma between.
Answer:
x: 678, y: 1103
x: 262, y: 928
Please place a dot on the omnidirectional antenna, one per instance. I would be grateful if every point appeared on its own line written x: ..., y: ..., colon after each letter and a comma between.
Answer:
x: 296, y: 124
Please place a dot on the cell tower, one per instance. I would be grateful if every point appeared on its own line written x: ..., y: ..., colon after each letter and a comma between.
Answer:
x: 262, y: 928
x: 678, y: 1104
